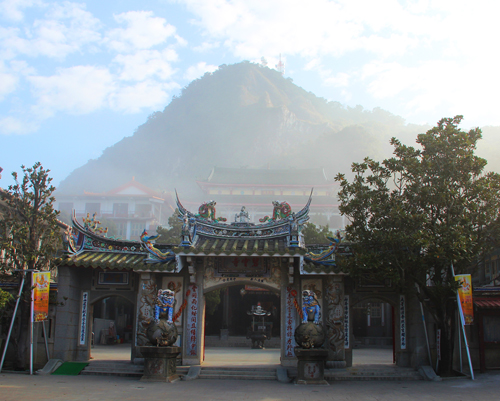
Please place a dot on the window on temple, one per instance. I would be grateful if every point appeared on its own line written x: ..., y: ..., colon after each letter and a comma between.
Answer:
x: 121, y: 228
x: 120, y: 209
x: 136, y: 229
x: 143, y: 210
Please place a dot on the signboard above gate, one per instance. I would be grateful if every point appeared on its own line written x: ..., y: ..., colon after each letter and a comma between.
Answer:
x: 242, y: 266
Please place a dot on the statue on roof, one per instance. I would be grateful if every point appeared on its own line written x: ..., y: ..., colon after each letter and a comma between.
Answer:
x: 328, y: 255
x: 207, y: 211
x: 242, y: 216
x: 92, y: 224
x: 281, y: 211
x: 186, y: 230
x: 147, y: 241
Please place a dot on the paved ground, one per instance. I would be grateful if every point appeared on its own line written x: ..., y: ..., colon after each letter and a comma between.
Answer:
x: 15, y: 387
x: 216, y: 356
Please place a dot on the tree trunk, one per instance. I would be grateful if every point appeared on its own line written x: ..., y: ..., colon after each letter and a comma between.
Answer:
x: 447, y: 326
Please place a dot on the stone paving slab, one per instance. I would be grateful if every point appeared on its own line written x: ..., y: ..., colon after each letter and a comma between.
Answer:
x: 14, y: 387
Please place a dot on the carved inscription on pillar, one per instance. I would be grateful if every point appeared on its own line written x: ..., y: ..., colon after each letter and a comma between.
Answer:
x: 290, y: 322
x: 192, y: 326
x: 335, y: 318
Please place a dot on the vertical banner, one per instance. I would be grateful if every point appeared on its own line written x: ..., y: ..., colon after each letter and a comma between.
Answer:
x: 41, y: 287
x: 192, y: 321
x: 465, y: 295
x: 347, y: 333
x: 290, y: 322
x: 83, y: 325
x: 402, y: 321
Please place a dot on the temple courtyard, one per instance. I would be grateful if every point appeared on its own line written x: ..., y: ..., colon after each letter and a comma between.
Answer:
x: 16, y: 386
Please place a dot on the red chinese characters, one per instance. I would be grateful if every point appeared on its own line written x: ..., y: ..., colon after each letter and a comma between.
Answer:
x: 290, y: 323
x: 193, y: 325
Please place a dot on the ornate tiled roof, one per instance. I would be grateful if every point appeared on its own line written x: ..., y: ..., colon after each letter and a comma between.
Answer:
x: 203, y: 235
x: 248, y: 247
x: 114, y: 261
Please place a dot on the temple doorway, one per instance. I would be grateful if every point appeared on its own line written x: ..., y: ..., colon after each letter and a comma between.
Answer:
x: 373, y: 330
x: 112, y: 328
x: 231, y: 328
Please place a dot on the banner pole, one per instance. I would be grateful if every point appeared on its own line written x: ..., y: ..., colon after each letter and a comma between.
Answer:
x: 459, y: 340
x: 462, y: 323
x: 31, y: 325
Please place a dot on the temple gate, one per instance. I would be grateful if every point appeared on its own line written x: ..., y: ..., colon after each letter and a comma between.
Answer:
x: 212, y: 254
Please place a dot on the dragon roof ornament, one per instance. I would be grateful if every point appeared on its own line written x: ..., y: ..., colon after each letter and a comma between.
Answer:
x: 283, y: 222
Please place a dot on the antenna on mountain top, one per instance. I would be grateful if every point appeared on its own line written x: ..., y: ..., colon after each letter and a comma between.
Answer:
x: 281, y: 66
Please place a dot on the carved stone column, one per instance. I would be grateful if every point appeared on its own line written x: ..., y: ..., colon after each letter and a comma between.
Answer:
x: 334, y: 321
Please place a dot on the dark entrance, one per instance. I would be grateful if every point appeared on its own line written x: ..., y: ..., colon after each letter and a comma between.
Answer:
x: 373, y: 330
x: 112, y: 328
x: 227, y: 322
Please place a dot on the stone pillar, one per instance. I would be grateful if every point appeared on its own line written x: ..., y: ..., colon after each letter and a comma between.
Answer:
x: 334, y: 320
x: 289, y: 317
x: 72, y: 284
x: 225, y: 312
x: 146, y: 294
x: 193, y: 338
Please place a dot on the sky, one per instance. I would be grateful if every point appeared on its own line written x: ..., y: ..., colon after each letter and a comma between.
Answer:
x: 78, y: 76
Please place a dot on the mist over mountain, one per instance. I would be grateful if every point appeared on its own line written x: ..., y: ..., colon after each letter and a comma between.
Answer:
x: 242, y: 115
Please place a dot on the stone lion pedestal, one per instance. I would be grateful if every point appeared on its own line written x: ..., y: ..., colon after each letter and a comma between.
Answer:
x: 160, y: 364
x: 311, y: 358
x: 311, y: 365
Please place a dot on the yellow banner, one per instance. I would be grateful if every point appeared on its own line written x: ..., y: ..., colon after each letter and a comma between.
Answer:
x: 465, y: 294
x: 41, y: 287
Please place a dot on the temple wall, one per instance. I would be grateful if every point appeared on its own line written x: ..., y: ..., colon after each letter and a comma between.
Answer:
x: 71, y: 285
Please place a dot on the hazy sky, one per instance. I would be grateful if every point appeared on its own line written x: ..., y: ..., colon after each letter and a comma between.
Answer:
x: 77, y: 76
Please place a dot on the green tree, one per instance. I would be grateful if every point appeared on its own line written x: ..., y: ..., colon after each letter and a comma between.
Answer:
x: 172, y: 234
x: 29, y: 239
x: 5, y: 299
x: 316, y: 235
x: 418, y: 213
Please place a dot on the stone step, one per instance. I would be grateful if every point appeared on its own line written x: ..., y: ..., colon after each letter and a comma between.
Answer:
x: 365, y: 374
x: 124, y: 369
x: 352, y: 374
x: 237, y: 373
x: 236, y: 377
x: 111, y: 373
x: 239, y: 369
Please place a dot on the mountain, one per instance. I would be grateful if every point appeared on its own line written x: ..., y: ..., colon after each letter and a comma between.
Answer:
x: 242, y: 115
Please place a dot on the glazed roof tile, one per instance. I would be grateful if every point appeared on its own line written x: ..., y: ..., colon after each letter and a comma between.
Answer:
x: 113, y: 261
x: 254, y: 247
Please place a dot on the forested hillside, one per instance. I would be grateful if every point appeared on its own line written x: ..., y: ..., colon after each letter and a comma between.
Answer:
x: 242, y: 115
